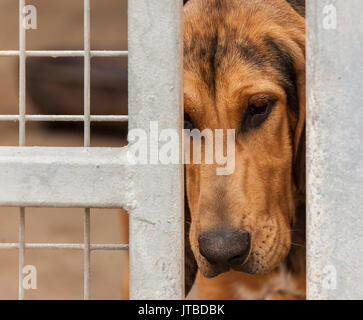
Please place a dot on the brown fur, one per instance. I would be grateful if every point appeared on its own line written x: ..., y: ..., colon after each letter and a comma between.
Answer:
x: 236, y: 51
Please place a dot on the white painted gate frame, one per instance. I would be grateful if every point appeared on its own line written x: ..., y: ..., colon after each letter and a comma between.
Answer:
x: 98, y: 177
x: 334, y: 149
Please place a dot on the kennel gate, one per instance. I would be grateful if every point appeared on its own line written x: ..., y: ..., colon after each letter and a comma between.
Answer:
x: 99, y: 177
x: 334, y: 153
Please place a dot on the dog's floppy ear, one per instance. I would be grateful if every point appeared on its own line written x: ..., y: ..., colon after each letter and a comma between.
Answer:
x: 191, y: 266
x: 298, y: 5
x: 300, y: 162
x: 289, y: 45
x: 299, y: 132
x: 295, y: 47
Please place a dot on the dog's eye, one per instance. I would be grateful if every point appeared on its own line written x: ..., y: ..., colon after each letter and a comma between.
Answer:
x: 188, y: 123
x: 257, y: 112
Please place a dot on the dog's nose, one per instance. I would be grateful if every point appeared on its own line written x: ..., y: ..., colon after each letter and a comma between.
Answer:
x: 226, y: 246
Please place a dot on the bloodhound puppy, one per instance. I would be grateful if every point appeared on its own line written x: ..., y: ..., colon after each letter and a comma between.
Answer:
x: 244, y: 69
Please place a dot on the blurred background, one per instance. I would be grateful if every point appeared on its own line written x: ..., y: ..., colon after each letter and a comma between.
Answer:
x: 55, y: 86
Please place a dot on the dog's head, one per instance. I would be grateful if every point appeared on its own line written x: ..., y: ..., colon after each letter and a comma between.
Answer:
x: 244, y: 69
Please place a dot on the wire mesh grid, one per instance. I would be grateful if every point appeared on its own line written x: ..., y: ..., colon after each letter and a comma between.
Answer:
x: 22, y: 118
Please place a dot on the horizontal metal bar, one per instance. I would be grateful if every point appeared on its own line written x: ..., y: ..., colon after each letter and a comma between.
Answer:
x: 65, y: 177
x: 72, y: 246
x: 75, y: 118
x: 109, y: 247
x: 9, y: 117
x: 109, y: 118
x: 64, y: 53
x: 9, y: 245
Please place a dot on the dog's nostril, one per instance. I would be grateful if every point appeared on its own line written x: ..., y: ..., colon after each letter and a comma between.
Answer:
x: 226, y: 246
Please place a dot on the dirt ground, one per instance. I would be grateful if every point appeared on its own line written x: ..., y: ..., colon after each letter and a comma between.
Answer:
x: 60, y: 273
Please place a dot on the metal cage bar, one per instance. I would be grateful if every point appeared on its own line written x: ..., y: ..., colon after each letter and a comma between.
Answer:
x: 73, y: 246
x: 334, y: 149
x: 64, y: 177
x: 87, y: 74
x: 76, y: 118
x: 155, y: 89
x: 21, y: 251
x: 64, y: 53
x: 22, y: 76
x: 87, y: 252
x: 87, y: 138
x: 22, y: 134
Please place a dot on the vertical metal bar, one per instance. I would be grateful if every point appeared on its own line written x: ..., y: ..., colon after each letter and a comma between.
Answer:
x: 22, y: 135
x: 87, y: 138
x: 86, y: 275
x: 21, y: 251
x: 22, y: 79
x: 155, y: 93
x: 334, y: 149
x: 87, y: 72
